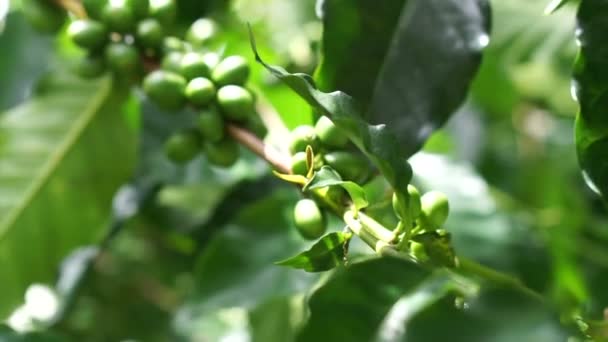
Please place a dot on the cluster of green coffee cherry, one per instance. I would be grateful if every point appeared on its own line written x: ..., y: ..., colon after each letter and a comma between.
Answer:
x: 129, y: 38
x: 332, y: 148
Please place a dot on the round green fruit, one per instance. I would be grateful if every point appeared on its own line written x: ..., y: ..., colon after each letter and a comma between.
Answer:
x: 200, y: 91
x: 44, y: 16
x: 223, y: 153
x: 88, y: 34
x: 413, y: 205
x: 211, y: 125
x: 231, y: 70
x: 201, y: 31
x: 172, y: 61
x: 329, y: 134
x: 118, y: 17
x: 298, y: 164
x: 309, y: 219
x: 173, y: 44
x: 236, y: 103
x: 418, y: 251
x: 122, y: 58
x: 349, y: 165
x: 435, y: 209
x: 183, y: 147
x: 149, y: 33
x: 193, y: 65
x: 164, y: 11
x: 91, y: 66
x: 166, y: 89
x: 301, y: 137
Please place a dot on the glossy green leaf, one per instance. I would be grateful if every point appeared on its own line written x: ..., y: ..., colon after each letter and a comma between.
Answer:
x: 409, y: 63
x: 359, y: 297
x: 324, y: 255
x: 591, y: 85
x: 554, y: 5
x: 62, y: 155
x: 326, y: 176
x: 377, y: 142
x: 277, y: 319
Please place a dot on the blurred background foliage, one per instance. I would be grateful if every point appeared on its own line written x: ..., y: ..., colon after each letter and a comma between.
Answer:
x: 197, y: 263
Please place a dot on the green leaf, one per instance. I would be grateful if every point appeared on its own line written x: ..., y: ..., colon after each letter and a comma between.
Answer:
x: 591, y: 85
x: 376, y: 141
x: 63, y: 154
x: 409, y: 63
x: 326, y: 176
x: 554, y: 5
x: 324, y: 255
x: 351, y: 305
x: 277, y: 319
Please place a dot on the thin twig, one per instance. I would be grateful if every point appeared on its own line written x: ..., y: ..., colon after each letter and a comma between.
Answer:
x: 280, y: 161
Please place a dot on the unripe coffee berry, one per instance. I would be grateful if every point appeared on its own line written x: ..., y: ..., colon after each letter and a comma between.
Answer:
x: 329, y: 134
x: 434, y: 209
x: 349, y: 165
x: 223, y: 153
x: 211, y: 125
x: 413, y: 202
x: 231, y: 70
x: 166, y: 89
x: 301, y: 137
x: 164, y: 11
x: 236, y: 103
x: 193, y: 65
x: 118, y: 16
x: 298, y: 164
x: 149, y: 33
x: 309, y: 219
x: 200, y: 91
x: 201, y: 31
x: 88, y: 34
x: 44, y: 16
x: 122, y: 58
x: 183, y: 147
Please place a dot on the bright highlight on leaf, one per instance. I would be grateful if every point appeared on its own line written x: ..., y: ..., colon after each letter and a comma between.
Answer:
x: 326, y: 177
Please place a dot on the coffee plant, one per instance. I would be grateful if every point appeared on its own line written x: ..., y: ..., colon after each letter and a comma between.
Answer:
x: 330, y: 170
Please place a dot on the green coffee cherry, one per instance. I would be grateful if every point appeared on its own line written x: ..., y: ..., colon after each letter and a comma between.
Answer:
x: 183, y: 147
x: 166, y: 89
x: 413, y: 205
x: 118, y: 16
x: 90, y: 66
x: 418, y: 251
x: 301, y: 137
x: 212, y: 59
x: 149, y: 33
x: 309, y: 219
x: 434, y: 209
x: 200, y: 91
x: 193, y: 65
x: 329, y: 134
x: 231, y: 70
x: 164, y: 11
x: 94, y: 8
x: 122, y: 58
x: 44, y: 16
x: 349, y: 165
x: 173, y: 44
x: 236, y: 103
x: 139, y: 8
x: 88, y: 34
x: 211, y: 125
x: 172, y: 61
x: 223, y: 153
x: 201, y: 31
x: 298, y: 164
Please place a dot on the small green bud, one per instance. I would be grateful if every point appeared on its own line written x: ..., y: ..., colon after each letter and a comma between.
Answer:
x: 349, y: 165
x: 329, y: 134
x: 309, y: 219
x: 434, y: 209
x: 122, y: 58
x: 223, y: 153
x: 183, y: 147
x: 118, y: 17
x: 166, y: 89
x: 88, y: 34
x: 193, y: 65
x: 301, y: 137
x: 211, y: 125
x: 235, y: 102
x: 149, y: 33
x: 231, y: 70
x: 200, y: 91
x: 298, y: 164
x: 201, y: 31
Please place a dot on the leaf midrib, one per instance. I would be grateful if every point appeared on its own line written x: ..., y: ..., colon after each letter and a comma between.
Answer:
x: 56, y: 157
